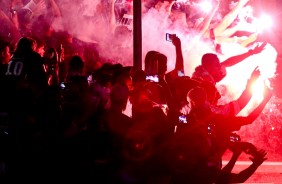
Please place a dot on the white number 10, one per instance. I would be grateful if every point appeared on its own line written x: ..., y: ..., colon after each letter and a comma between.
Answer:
x: 17, y: 68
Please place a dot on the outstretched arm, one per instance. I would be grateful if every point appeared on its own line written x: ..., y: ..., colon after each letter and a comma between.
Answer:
x: 245, y: 97
x: 236, y: 153
x: 257, y: 111
x: 234, y: 123
x: 237, y: 148
x: 237, y: 59
x: 258, y: 157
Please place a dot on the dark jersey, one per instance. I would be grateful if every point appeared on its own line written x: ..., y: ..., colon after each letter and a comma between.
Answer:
x: 26, y: 69
x: 3, y: 91
x: 24, y: 73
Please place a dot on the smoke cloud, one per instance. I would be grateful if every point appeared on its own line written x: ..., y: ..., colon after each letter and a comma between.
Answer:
x: 82, y: 19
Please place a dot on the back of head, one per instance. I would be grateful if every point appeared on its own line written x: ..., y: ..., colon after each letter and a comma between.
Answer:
x: 182, y: 85
x: 155, y: 63
x: 119, y: 95
x: 197, y: 97
x: 209, y: 60
x: 25, y: 45
x: 139, y: 76
x: 50, y: 53
x: 76, y: 64
x: 212, y: 93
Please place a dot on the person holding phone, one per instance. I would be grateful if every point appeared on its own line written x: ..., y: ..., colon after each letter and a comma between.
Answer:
x: 156, y: 66
x: 179, y: 67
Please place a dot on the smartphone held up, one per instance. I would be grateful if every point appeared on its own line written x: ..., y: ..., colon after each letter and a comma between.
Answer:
x: 169, y: 37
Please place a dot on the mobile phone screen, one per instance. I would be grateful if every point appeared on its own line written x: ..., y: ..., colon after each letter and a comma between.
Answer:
x: 62, y: 85
x: 180, y: 73
x: 153, y: 78
x: 182, y: 119
x: 167, y: 37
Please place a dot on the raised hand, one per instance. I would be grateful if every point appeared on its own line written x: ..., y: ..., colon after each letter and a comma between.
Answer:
x: 258, y: 49
x: 258, y: 157
x: 175, y: 40
x: 248, y: 148
x: 238, y: 147
x: 255, y: 74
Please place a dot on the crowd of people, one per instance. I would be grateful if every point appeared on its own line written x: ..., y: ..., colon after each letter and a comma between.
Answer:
x: 68, y: 111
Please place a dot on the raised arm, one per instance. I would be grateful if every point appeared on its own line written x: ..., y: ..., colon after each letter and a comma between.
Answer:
x: 179, y: 68
x: 258, y: 157
x: 246, y: 95
x: 257, y: 111
x: 229, y: 18
x: 55, y: 8
x: 237, y: 59
x: 237, y: 148
x: 112, y: 22
x: 234, y: 123
x: 179, y: 57
x: 236, y: 152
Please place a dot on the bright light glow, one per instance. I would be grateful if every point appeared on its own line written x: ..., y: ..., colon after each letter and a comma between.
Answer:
x: 263, y: 23
x: 272, y: 128
x: 257, y: 24
x: 237, y: 75
x: 258, y: 89
x: 206, y: 6
x: 266, y: 20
